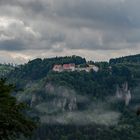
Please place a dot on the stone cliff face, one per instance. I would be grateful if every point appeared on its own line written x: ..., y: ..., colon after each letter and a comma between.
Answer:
x: 35, y: 100
x: 65, y: 104
x: 123, y: 93
x: 64, y: 98
x: 55, y: 98
x: 60, y: 98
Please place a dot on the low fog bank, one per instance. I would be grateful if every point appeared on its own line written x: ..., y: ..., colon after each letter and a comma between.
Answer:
x: 88, y: 117
x: 62, y: 105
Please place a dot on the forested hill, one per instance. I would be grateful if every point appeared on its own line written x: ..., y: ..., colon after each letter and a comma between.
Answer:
x: 39, y: 68
x: 126, y: 59
x: 132, y: 62
x: 78, y: 104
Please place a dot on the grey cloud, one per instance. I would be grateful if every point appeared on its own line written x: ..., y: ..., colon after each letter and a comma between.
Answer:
x: 11, y: 45
x: 97, y: 10
x: 77, y: 24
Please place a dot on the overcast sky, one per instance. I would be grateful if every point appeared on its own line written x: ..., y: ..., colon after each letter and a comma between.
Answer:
x: 95, y: 29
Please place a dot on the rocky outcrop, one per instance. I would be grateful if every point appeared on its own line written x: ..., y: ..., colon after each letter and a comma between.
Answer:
x: 63, y: 98
x: 72, y: 105
x: 65, y: 104
x: 123, y: 93
x: 36, y: 99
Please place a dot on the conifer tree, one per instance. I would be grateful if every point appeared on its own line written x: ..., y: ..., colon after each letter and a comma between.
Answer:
x: 13, y: 122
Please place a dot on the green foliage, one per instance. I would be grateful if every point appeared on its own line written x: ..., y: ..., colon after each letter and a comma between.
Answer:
x: 13, y: 122
x: 102, y: 65
x: 38, y: 68
x: 97, y: 85
x: 132, y: 63
x: 126, y: 59
x: 5, y: 69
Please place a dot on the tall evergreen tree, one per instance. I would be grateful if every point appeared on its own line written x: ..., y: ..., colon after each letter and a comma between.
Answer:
x: 13, y: 122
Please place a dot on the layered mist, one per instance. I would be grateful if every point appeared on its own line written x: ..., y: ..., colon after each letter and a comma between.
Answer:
x: 62, y: 105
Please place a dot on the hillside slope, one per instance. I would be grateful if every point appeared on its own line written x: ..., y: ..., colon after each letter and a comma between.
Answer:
x: 81, y: 105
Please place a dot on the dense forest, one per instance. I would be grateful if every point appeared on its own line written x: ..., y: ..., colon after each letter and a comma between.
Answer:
x: 81, y: 105
x: 126, y: 59
x: 38, y: 68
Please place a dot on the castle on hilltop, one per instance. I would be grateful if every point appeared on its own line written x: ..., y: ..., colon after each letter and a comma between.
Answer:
x: 72, y: 67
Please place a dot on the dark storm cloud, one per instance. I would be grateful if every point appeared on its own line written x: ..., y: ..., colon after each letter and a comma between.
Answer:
x: 101, y: 10
x: 74, y: 24
x: 11, y: 45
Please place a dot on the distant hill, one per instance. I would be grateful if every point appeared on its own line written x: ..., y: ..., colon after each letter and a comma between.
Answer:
x: 132, y: 62
x: 126, y: 59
